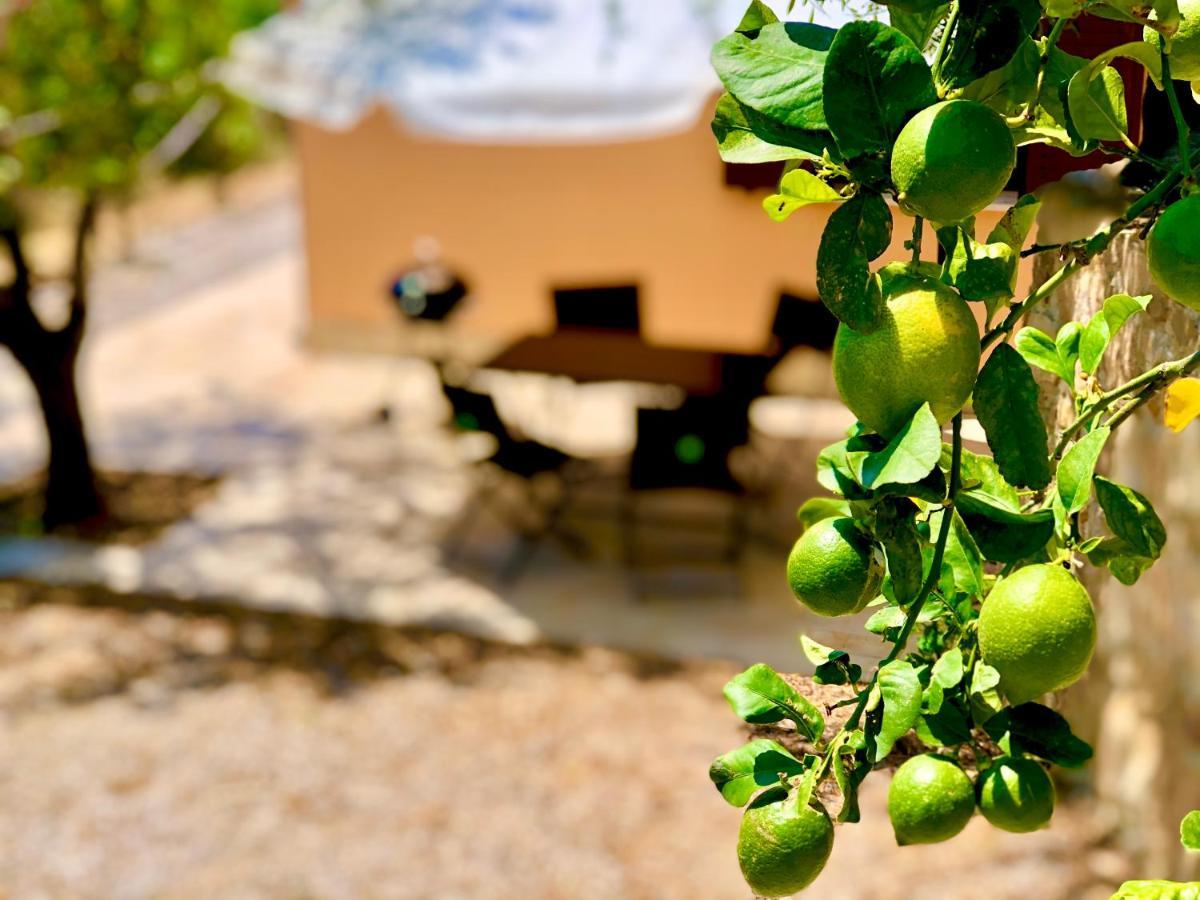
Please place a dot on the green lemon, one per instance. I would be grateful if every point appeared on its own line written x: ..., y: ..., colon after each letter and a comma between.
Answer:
x: 930, y: 800
x: 925, y: 350
x: 951, y: 160
x: 1158, y: 890
x: 1174, y: 251
x: 1016, y: 795
x: 832, y: 568
x: 1037, y: 628
x: 782, y: 847
x: 1185, y: 44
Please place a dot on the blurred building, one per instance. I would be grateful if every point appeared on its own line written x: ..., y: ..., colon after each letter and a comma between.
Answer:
x: 544, y: 144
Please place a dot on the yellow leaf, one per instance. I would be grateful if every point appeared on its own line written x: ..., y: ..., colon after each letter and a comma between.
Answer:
x: 1183, y: 403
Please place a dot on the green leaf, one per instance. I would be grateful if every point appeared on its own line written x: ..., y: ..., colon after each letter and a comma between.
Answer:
x: 948, y: 727
x: 741, y: 773
x: 832, y: 666
x: 777, y: 71
x: 905, y: 564
x: 988, y: 34
x: 761, y: 697
x: 981, y: 473
x: 1002, y: 534
x: 983, y: 271
x: 743, y: 139
x: 962, y: 565
x: 1006, y: 403
x: 1096, y: 93
x: 984, y: 693
x: 901, y: 692
x: 1038, y: 349
x: 1116, y: 311
x: 1189, y: 830
x: 1039, y: 731
x: 848, y: 782
x: 875, y: 79
x: 757, y: 16
x: 1131, y: 517
x: 1126, y: 564
x: 917, y: 25
x: 798, y: 188
x: 909, y: 456
x: 858, y: 232
x: 885, y: 618
x: 816, y: 509
x: 1076, y: 469
x: 1052, y: 123
x: 1016, y: 223
x: 1008, y: 89
x: 948, y: 670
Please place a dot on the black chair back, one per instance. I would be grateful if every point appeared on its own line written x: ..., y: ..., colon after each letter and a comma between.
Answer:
x: 604, y: 308
x: 689, y: 446
x: 800, y: 322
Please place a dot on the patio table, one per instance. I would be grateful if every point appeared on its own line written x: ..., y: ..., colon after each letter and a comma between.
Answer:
x: 596, y: 356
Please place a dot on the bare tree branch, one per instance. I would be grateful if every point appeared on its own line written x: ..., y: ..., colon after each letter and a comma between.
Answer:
x: 84, y: 226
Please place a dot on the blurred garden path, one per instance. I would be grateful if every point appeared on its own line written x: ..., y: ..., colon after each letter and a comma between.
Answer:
x: 196, y: 363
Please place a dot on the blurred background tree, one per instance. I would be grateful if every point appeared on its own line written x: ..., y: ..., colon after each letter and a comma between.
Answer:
x: 97, y: 97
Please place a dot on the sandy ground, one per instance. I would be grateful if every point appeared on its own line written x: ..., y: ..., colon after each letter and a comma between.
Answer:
x: 148, y: 755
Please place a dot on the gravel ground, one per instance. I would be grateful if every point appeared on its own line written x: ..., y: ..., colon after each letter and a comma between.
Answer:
x: 149, y: 754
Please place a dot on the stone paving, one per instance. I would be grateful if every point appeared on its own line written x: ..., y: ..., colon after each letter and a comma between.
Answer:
x: 325, y: 509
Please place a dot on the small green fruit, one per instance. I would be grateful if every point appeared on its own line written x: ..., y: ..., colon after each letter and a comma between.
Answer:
x: 782, y: 847
x: 951, y: 160
x: 1016, y: 795
x: 930, y: 800
x: 1037, y: 628
x: 832, y: 568
x: 1174, y: 251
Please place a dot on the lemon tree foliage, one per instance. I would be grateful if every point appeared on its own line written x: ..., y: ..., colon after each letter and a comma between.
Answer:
x: 964, y: 564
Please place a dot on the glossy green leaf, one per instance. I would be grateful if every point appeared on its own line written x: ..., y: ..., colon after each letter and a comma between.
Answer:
x: 1039, y: 731
x: 988, y: 34
x: 832, y: 666
x: 901, y: 692
x: 798, y: 188
x: 1004, y: 535
x: 848, y: 780
x: 981, y: 473
x: 1038, y: 349
x: 947, y: 727
x: 741, y: 773
x: 761, y: 697
x: 777, y: 71
x: 984, y: 693
x: 875, y: 79
x: 1076, y: 469
x: 885, y: 618
x: 909, y: 456
x: 1131, y: 517
x: 1095, y: 338
x: 757, y: 16
x: 962, y: 565
x: 1006, y: 403
x: 1126, y: 563
x: 741, y: 138
x: 948, y: 670
x: 816, y: 509
x: 857, y: 232
x: 917, y: 25
x: 905, y: 564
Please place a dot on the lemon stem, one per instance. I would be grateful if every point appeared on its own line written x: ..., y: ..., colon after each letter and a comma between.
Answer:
x: 935, y: 570
x: 944, y: 44
x: 1144, y: 386
x: 918, y: 233
x: 1181, y: 125
x: 1043, y: 61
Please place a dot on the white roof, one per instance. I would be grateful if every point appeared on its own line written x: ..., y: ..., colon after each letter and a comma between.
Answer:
x: 494, y: 71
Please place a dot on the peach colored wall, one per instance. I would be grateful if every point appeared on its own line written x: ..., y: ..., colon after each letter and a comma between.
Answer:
x: 518, y: 220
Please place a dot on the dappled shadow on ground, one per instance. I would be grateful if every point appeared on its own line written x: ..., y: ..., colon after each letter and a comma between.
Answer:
x: 141, y: 505
x: 69, y: 644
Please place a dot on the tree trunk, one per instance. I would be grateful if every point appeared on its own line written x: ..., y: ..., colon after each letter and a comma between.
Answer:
x: 71, y: 496
x: 1139, y: 705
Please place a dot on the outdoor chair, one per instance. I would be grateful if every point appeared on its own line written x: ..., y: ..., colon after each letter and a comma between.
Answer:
x: 533, y: 516
x: 687, y: 448
x: 598, y: 308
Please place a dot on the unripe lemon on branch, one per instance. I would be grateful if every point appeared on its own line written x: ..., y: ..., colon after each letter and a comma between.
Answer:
x: 1016, y: 795
x: 1037, y: 628
x: 1174, y: 251
x: 930, y: 800
x: 926, y: 350
x: 951, y: 160
x: 782, y: 846
x: 833, y: 570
